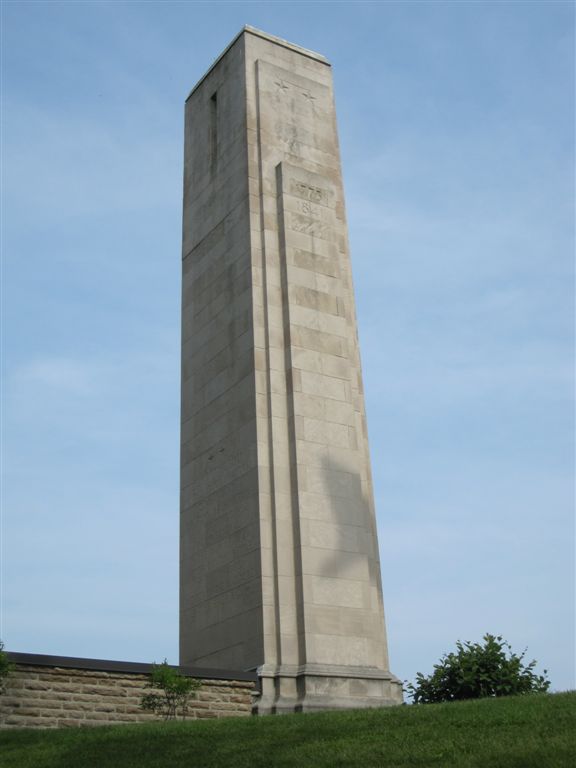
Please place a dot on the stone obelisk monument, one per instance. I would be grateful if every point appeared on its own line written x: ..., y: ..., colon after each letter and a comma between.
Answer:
x: 279, y: 568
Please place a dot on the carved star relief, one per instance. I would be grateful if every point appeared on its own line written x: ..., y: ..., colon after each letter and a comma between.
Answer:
x: 281, y: 85
x: 308, y: 95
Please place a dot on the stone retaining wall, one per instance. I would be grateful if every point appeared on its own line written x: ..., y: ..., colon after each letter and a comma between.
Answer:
x: 52, y: 696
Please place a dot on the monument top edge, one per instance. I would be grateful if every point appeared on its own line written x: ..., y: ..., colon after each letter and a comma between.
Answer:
x: 247, y: 29
x: 285, y: 44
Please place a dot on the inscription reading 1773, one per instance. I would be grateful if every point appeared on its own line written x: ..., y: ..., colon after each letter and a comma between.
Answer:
x: 307, y: 191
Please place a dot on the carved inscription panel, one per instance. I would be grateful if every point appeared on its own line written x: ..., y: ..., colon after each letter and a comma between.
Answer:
x: 308, y: 204
x: 307, y: 191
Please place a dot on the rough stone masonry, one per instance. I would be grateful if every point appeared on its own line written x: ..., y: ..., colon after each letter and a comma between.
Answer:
x: 60, y: 692
x: 280, y: 568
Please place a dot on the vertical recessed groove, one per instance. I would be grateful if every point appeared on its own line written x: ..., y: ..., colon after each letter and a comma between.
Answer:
x: 295, y: 506
x: 270, y: 435
x: 213, y: 133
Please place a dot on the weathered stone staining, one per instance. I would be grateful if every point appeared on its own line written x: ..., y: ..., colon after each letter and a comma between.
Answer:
x: 279, y: 557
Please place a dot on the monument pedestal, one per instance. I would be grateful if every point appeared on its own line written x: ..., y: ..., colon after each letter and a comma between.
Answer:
x: 316, y: 687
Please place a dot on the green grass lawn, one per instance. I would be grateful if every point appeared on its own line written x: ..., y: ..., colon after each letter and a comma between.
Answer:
x: 519, y: 732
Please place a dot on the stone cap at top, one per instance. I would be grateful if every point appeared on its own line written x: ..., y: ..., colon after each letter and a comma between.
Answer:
x: 247, y: 29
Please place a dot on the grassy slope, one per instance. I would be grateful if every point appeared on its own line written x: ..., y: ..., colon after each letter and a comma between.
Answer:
x: 529, y: 732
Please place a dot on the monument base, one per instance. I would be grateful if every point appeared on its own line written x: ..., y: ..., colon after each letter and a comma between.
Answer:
x: 319, y: 687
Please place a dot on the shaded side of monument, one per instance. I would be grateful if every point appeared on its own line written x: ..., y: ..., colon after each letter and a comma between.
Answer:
x: 279, y: 566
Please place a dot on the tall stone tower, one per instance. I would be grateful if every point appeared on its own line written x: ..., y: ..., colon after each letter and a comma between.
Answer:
x: 279, y: 569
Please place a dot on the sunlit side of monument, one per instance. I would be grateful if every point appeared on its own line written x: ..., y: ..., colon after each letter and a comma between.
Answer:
x: 279, y: 556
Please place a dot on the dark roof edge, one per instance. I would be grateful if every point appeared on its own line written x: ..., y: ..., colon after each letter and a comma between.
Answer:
x: 264, y: 36
x: 129, y: 667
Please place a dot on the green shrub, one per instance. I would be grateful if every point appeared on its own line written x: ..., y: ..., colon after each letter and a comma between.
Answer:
x: 476, y: 671
x: 5, y: 667
x: 170, y: 693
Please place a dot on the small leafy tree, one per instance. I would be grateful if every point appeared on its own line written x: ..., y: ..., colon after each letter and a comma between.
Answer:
x: 478, y: 670
x: 5, y: 667
x: 170, y: 692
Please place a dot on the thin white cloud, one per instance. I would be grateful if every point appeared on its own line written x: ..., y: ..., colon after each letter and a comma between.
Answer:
x: 59, y: 374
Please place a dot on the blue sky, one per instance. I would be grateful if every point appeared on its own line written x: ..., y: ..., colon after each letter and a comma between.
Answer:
x: 457, y: 139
